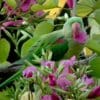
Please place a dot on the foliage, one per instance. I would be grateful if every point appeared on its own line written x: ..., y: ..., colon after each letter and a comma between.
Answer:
x: 23, y: 22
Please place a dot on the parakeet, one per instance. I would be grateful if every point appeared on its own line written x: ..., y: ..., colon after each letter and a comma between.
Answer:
x: 66, y: 42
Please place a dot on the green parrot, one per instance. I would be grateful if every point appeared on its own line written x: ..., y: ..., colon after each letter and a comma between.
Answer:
x: 66, y: 42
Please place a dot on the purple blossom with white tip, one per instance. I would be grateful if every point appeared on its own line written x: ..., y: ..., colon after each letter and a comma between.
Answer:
x: 67, y: 64
x: 29, y: 71
x: 49, y: 64
x: 63, y: 83
x: 87, y: 80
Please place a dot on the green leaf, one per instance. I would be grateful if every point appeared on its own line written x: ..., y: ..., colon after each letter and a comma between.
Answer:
x: 26, y: 46
x: 43, y: 28
x: 95, y: 66
x: 93, y: 45
x: 48, y: 4
x: 37, y: 7
x: 97, y: 16
x: 3, y: 96
x: 4, y: 50
x: 97, y: 5
x: 12, y: 3
x: 1, y: 3
x: 95, y: 29
x: 85, y: 7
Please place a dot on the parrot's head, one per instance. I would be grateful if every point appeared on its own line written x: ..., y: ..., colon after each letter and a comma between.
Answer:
x: 74, y: 30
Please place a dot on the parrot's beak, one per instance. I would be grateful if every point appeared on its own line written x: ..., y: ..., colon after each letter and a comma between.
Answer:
x: 78, y: 34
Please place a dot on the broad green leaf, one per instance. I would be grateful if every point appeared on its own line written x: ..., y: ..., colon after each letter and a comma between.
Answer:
x: 12, y: 3
x: 95, y: 28
x: 97, y: 16
x: 27, y: 45
x: 4, y: 50
x: 85, y: 7
x: 37, y: 7
x: 93, y: 45
x: 89, y: 3
x: 48, y: 4
x: 97, y: 5
x: 43, y: 28
x: 95, y: 67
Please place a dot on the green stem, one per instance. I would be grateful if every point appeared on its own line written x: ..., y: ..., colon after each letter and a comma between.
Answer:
x: 10, y: 36
x: 73, y: 12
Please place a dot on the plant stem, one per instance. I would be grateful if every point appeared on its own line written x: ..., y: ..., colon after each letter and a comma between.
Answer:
x: 73, y: 12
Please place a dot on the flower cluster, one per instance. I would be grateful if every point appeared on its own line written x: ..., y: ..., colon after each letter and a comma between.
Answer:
x: 59, y: 81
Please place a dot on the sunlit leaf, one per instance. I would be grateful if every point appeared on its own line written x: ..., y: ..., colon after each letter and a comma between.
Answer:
x: 93, y: 45
x: 48, y: 4
x: 95, y: 28
x: 97, y: 16
x: 85, y: 7
x: 12, y: 3
x: 4, y: 50
x: 37, y: 7
x: 95, y: 66
x: 53, y: 13
x: 43, y: 28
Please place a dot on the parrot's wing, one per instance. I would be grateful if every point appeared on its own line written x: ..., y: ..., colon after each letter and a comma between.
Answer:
x: 46, y: 41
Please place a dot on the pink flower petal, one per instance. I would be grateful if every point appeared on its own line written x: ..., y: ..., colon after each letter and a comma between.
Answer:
x: 26, y: 5
x: 53, y: 96
x: 49, y: 64
x: 12, y: 23
x: 67, y: 64
x: 52, y: 80
x: 70, y: 3
x: 87, y: 80
x: 29, y: 71
x: 63, y: 83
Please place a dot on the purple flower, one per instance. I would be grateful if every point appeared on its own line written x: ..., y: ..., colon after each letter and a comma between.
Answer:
x: 67, y: 64
x: 94, y: 93
x: 49, y: 64
x: 70, y: 3
x: 79, y: 35
x: 12, y: 23
x: 52, y: 80
x: 63, y: 83
x: 29, y: 71
x: 39, y: 13
x: 53, y: 96
x: 87, y: 80
x: 26, y: 4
